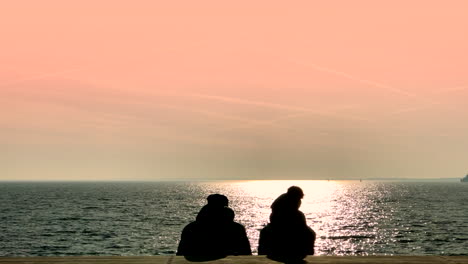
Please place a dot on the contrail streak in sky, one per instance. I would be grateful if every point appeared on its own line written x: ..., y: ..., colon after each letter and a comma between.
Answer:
x: 449, y: 90
x: 40, y: 77
x: 429, y: 105
x: 360, y: 80
x: 263, y: 104
x: 273, y: 121
x: 246, y: 121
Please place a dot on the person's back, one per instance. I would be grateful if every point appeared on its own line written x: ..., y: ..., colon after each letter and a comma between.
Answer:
x: 204, y: 239
x: 283, y: 243
x: 214, y: 234
x: 287, y: 236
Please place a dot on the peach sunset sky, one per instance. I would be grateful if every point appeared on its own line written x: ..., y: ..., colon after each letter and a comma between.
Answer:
x: 121, y: 90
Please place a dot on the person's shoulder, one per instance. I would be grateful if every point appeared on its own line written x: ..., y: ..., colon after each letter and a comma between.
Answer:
x: 204, y: 213
x: 266, y: 228
x: 237, y: 226
x: 280, y: 200
x: 282, y: 196
x: 266, y: 233
x: 191, y: 226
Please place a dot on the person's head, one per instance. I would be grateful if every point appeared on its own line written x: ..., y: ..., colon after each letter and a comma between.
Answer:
x: 217, y: 200
x: 295, y: 192
x: 228, y: 214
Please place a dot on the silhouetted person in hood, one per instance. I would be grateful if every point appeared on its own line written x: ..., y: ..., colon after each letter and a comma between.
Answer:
x: 285, y: 209
x: 287, y: 237
x: 214, y: 234
x: 213, y: 211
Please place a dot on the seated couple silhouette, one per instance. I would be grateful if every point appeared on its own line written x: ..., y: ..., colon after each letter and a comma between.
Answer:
x: 214, y: 234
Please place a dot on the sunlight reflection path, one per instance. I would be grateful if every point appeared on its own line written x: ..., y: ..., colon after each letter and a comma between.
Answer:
x: 347, y: 216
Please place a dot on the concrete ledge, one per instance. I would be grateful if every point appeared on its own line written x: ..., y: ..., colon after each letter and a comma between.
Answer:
x: 233, y: 259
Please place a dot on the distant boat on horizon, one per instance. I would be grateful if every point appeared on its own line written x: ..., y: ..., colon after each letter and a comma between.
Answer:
x: 465, y: 179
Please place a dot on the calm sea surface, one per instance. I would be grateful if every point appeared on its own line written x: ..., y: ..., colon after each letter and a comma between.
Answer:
x: 349, y: 217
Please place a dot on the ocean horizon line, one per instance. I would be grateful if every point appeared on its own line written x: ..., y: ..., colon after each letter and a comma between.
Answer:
x: 228, y: 180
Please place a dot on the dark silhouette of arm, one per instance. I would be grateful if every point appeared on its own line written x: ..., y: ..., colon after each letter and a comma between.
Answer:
x: 311, y: 242
x: 244, y: 244
x: 264, y: 247
x: 236, y: 240
x: 186, y: 241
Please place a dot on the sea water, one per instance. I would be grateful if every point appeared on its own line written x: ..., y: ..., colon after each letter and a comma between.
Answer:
x: 146, y: 218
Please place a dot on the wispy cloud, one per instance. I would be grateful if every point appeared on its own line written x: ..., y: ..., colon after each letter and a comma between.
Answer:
x: 287, y: 117
x: 359, y: 79
x: 450, y: 90
x: 430, y: 105
x: 262, y: 104
x: 43, y: 76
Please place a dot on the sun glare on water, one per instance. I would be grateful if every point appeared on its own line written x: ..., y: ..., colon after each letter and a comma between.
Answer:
x: 342, y: 213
